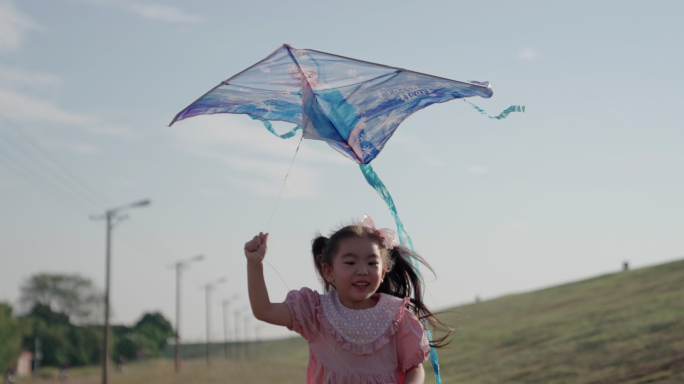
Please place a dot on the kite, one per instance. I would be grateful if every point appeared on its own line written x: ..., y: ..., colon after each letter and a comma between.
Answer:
x: 353, y: 105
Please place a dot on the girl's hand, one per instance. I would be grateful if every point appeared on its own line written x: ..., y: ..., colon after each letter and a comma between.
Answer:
x: 255, y: 249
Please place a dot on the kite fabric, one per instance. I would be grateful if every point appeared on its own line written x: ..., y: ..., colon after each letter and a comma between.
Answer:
x: 353, y: 105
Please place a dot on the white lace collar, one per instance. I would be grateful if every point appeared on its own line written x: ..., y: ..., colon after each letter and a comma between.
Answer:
x: 360, y: 326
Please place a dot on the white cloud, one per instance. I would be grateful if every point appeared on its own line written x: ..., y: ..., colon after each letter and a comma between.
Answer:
x: 13, y: 26
x: 210, y: 192
x: 121, y: 131
x: 127, y: 183
x: 527, y: 53
x: 19, y: 107
x: 7, y: 183
x: 35, y: 82
x: 476, y: 169
x: 161, y: 12
x: 258, y: 160
x: 84, y: 149
x: 22, y: 108
x: 24, y: 98
x: 434, y: 162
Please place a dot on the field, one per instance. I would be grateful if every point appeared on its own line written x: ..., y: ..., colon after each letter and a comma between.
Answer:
x: 626, y: 327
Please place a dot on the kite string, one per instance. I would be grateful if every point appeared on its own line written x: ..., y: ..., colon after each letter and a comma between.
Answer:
x: 284, y: 183
x: 287, y: 136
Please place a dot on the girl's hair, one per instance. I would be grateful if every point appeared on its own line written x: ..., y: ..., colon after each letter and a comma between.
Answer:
x: 294, y: 68
x: 402, y: 279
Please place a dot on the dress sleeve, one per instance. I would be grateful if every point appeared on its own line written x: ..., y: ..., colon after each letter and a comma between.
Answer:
x: 303, y: 306
x: 413, y: 346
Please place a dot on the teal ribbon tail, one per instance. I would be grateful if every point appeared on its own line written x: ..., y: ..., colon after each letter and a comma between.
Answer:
x: 502, y: 115
x: 405, y: 240
x: 434, y: 359
x: 377, y: 184
x: 269, y: 126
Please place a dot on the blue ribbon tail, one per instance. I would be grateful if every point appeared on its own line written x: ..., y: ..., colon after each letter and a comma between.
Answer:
x: 377, y: 184
x: 269, y: 126
x: 434, y: 359
x: 502, y: 115
x: 405, y: 240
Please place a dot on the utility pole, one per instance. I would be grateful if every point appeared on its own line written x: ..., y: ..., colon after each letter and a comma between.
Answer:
x: 226, y: 303
x: 208, y: 288
x: 244, y: 332
x: 237, y: 342
x: 257, y: 340
x: 38, y: 357
x: 111, y: 216
x: 180, y: 265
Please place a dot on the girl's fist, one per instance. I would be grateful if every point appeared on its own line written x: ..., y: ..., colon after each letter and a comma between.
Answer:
x: 255, y: 249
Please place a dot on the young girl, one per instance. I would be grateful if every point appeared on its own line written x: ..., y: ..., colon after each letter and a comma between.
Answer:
x: 366, y: 327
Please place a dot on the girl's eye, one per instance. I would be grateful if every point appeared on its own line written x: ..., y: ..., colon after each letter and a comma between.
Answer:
x: 349, y: 262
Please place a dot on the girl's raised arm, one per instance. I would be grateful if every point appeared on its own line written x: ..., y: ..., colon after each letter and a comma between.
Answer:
x: 262, y: 308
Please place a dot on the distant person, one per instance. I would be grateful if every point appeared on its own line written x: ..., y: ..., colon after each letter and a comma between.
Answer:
x: 366, y: 327
x: 11, y: 374
x: 122, y: 362
x: 64, y: 371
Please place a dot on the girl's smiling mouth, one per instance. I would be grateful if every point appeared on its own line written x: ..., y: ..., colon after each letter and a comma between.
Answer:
x: 361, y: 284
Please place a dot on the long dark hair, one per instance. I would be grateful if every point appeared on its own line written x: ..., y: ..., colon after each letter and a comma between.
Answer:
x: 402, y: 279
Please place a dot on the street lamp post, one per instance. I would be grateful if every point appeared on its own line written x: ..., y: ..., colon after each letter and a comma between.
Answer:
x: 180, y: 265
x: 208, y: 288
x: 111, y: 215
x: 237, y: 342
x: 257, y: 340
x: 245, y: 349
x: 226, y: 303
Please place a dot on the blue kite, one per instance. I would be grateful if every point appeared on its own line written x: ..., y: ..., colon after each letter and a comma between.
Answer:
x: 353, y: 105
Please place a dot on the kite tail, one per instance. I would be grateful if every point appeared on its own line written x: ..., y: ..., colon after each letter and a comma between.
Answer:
x: 405, y: 240
x: 502, y: 115
x: 375, y: 182
x: 269, y: 126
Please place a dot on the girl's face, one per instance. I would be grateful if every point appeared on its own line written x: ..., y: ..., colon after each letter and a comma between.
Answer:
x: 308, y: 77
x: 357, y: 271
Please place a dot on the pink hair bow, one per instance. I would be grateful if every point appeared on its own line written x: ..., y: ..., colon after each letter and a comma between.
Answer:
x: 388, y: 236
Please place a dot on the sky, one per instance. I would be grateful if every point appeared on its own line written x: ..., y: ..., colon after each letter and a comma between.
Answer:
x: 590, y: 176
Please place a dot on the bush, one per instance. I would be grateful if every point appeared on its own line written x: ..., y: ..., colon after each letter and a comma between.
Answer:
x: 10, y: 338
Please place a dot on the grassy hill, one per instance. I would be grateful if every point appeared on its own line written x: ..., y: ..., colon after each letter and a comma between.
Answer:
x: 626, y: 327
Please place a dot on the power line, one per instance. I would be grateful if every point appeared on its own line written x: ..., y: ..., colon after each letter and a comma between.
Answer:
x: 41, y: 167
x: 35, y: 181
x: 74, y: 192
x: 58, y: 165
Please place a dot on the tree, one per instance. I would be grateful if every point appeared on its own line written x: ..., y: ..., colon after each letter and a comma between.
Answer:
x: 62, y: 342
x: 150, y: 334
x: 73, y: 295
x: 10, y: 338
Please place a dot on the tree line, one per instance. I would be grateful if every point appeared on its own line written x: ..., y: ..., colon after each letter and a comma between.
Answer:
x: 63, y: 313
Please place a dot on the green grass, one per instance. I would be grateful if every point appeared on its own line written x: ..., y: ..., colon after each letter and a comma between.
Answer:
x: 626, y: 327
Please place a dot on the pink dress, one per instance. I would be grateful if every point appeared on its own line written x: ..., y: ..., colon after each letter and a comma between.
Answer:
x: 348, y: 346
